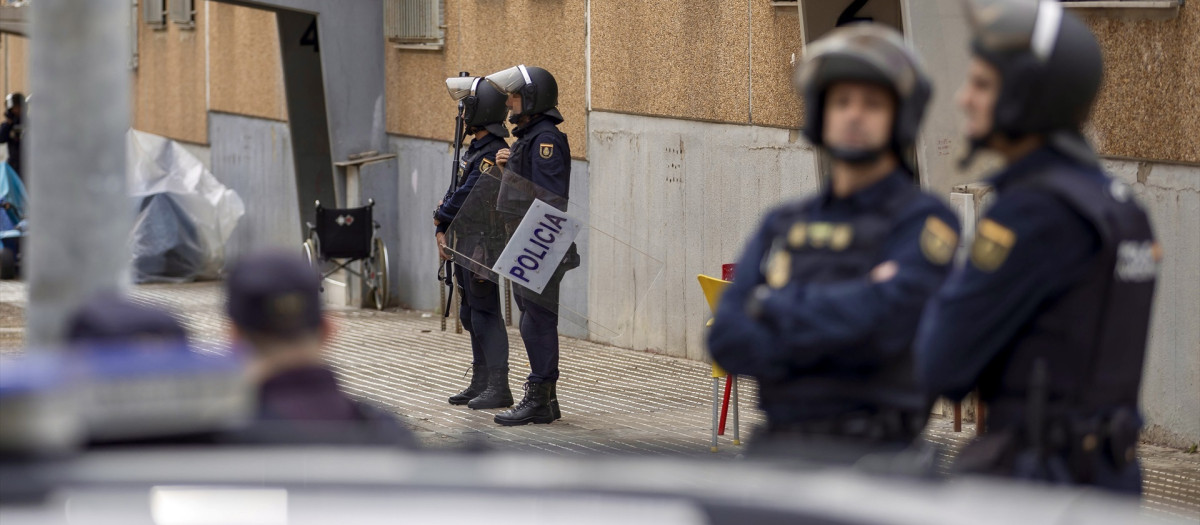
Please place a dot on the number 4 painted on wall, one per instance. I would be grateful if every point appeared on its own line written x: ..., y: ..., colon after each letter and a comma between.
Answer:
x: 310, y: 37
x: 848, y: 15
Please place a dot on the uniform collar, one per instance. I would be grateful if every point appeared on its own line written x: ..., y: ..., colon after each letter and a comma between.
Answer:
x: 872, y: 195
x: 1024, y: 166
x: 478, y: 144
x: 536, y: 123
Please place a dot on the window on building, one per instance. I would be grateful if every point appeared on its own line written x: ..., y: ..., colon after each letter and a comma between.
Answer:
x: 415, y: 24
x: 183, y: 12
x: 154, y: 13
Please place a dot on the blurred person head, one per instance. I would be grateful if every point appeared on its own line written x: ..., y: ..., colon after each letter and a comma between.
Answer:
x: 1033, y: 77
x: 109, y: 318
x: 273, y: 298
x: 14, y: 103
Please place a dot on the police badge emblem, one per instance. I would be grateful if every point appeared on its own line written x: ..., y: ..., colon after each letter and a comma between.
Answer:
x: 992, y: 244
x: 840, y: 237
x: 546, y: 150
x: 819, y: 233
x: 938, y: 241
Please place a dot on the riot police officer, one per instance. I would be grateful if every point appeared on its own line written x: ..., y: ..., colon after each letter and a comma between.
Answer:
x: 542, y: 155
x: 1049, y: 314
x: 483, y: 115
x: 827, y: 293
x: 12, y: 131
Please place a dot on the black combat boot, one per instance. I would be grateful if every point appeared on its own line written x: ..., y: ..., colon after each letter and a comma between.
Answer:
x: 478, y: 384
x: 534, y: 408
x: 554, y: 400
x: 497, y: 394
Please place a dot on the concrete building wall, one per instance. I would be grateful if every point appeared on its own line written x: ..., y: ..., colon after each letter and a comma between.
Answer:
x: 254, y: 158
x: 690, y: 194
x: 245, y: 69
x: 1171, y: 379
x: 170, y: 83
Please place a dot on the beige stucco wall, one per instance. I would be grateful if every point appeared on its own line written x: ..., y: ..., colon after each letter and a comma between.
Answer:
x: 169, y: 84
x: 482, y: 38
x: 245, y: 68
x: 1150, y: 105
x: 14, y: 51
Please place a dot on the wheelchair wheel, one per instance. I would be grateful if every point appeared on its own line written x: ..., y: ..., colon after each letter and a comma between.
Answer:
x: 377, y: 273
x: 310, y: 253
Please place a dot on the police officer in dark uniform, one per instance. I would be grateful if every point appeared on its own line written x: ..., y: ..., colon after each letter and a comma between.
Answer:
x: 484, y: 111
x: 1049, y: 315
x: 274, y: 301
x: 542, y: 155
x: 826, y: 296
x: 12, y: 131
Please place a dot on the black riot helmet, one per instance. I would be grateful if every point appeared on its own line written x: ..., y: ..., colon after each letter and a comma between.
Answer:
x: 15, y: 99
x: 482, y: 105
x: 536, y: 86
x: 1050, y: 69
x: 864, y: 53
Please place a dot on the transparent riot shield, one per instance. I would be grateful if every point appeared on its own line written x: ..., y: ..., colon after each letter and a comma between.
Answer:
x: 511, y: 229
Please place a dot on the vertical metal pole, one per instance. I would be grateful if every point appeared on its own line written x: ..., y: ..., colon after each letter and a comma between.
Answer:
x: 716, y: 410
x: 737, y: 436
x: 958, y: 416
x: 353, y: 199
x: 457, y: 310
x: 79, y: 209
x: 508, y: 302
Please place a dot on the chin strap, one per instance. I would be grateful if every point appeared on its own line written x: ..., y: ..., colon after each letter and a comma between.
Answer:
x: 857, y: 156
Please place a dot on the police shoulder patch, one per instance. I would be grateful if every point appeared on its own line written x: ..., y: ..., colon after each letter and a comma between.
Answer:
x: 487, y: 163
x: 546, y: 150
x: 992, y: 243
x: 938, y: 241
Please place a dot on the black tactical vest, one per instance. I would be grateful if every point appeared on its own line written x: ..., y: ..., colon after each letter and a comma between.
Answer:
x: 525, y: 148
x: 835, y: 252
x: 1093, y: 337
x: 470, y: 162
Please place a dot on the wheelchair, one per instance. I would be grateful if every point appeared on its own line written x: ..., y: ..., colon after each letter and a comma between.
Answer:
x: 342, y: 236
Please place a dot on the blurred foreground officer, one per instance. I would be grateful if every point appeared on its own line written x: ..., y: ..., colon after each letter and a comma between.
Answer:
x: 12, y: 131
x: 273, y: 299
x: 1049, y: 315
x: 542, y: 155
x: 824, y: 305
x: 483, y: 114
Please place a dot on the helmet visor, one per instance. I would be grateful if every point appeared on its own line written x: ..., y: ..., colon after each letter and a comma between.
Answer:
x: 510, y: 80
x: 461, y: 87
x: 872, y: 48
